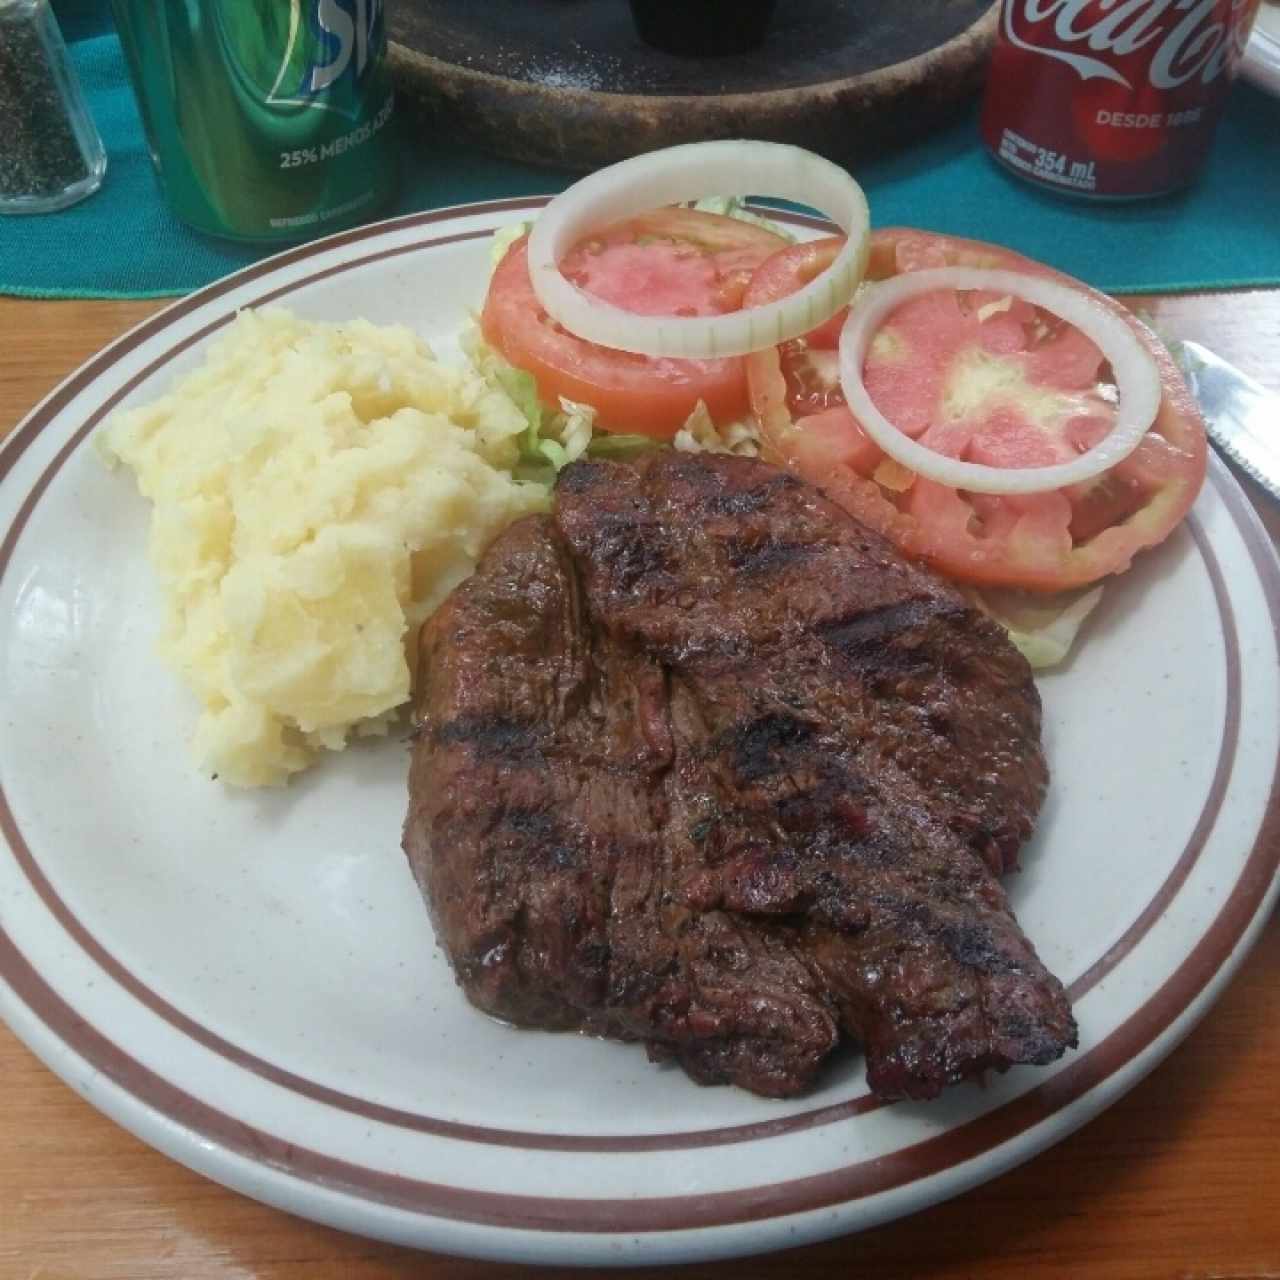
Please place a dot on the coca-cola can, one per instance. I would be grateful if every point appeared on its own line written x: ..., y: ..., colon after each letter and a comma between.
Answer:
x: 1111, y: 99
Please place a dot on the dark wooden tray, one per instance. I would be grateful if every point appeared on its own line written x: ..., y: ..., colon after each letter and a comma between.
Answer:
x: 569, y: 84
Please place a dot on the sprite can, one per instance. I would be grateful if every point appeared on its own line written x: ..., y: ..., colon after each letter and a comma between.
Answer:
x: 266, y: 119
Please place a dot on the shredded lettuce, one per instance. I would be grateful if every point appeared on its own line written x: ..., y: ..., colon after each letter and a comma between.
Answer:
x: 552, y: 438
x: 608, y: 445
x: 503, y: 239
x: 1042, y: 628
x: 567, y: 433
x: 701, y: 435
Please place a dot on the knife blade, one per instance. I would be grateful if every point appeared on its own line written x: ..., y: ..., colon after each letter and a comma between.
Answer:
x: 1241, y: 416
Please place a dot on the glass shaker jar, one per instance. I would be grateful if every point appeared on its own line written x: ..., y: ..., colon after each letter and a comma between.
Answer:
x: 50, y: 152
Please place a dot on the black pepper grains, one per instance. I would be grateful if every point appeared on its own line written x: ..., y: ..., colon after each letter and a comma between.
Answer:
x: 50, y: 152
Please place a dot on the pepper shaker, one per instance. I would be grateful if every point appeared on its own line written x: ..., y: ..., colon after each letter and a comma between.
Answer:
x: 50, y: 152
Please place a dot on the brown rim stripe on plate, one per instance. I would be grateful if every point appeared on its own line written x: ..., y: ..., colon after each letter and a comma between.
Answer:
x: 831, y: 1113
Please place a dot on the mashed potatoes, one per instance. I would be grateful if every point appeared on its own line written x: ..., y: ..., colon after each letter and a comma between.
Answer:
x: 318, y: 490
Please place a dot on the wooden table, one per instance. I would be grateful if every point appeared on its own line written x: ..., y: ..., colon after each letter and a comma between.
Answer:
x: 1179, y: 1179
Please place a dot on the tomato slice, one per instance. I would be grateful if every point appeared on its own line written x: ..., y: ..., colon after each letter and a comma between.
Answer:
x: 991, y: 380
x: 668, y: 262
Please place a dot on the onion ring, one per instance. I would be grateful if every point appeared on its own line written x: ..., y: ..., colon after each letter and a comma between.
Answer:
x: 1136, y: 374
x: 690, y: 172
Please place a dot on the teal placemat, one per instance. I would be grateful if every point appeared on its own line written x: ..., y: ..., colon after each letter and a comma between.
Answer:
x: 123, y: 242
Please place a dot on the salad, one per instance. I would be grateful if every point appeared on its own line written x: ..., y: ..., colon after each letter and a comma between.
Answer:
x: 1012, y: 427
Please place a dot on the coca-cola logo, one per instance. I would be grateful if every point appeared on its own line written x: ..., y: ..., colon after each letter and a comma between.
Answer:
x: 1186, y: 39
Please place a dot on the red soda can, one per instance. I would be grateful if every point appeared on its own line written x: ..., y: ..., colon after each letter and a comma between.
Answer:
x: 1111, y: 99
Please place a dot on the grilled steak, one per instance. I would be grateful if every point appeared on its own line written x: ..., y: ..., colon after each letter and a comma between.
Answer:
x: 706, y: 764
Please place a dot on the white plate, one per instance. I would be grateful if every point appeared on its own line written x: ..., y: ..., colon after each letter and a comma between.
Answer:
x: 1261, y: 62
x: 249, y: 981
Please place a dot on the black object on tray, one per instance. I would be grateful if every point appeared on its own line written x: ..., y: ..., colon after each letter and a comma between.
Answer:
x: 572, y: 83
x: 704, y: 28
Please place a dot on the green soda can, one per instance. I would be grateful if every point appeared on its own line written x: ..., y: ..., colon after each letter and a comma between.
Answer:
x: 266, y: 119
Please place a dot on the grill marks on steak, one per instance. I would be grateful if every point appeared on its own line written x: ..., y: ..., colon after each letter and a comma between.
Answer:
x: 708, y: 765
